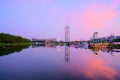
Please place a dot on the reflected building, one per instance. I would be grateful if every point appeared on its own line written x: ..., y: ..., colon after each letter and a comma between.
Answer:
x: 95, y: 52
x: 67, y: 53
x: 111, y: 51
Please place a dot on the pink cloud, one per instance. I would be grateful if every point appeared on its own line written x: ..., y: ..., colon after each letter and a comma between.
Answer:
x: 94, y: 17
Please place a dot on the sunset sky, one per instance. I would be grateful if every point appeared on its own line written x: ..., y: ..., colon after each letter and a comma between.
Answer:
x: 48, y: 18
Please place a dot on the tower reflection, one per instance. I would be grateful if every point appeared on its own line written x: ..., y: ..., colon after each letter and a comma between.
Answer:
x: 67, y: 53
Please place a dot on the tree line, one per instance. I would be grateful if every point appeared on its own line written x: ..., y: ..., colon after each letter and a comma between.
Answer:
x: 117, y: 39
x: 8, y: 38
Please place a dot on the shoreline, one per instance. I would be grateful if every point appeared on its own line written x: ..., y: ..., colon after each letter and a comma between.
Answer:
x: 12, y: 44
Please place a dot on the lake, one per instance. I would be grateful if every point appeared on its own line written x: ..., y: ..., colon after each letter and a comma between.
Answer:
x: 59, y: 63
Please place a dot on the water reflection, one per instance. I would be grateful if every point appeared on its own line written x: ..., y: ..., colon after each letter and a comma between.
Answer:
x: 67, y: 49
x: 45, y: 62
x: 97, y: 69
x: 96, y: 50
x: 67, y: 53
x: 46, y: 45
x: 15, y: 48
x: 104, y: 50
x: 6, y: 50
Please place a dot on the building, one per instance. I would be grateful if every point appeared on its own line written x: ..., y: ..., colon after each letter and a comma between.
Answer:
x: 39, y: 41
x: 67, y: 34
x: 95, y: 35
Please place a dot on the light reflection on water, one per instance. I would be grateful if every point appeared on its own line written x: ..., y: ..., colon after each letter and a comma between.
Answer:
x: 75, y: 62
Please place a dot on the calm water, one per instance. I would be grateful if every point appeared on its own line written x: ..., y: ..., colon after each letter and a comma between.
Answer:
x: 59, y: 63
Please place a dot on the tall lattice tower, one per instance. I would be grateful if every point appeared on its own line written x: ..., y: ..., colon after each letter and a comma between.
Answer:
x: 67, y: 34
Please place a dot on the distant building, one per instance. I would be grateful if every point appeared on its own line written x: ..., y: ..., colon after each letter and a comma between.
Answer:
x: 67, y: 34
x: 110, y: 38
x: 38, y: 41
x: 50, y: 40
x: 95, y: 35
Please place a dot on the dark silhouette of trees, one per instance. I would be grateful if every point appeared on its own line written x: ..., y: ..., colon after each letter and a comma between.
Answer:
x: 8, y: 38
x: 116, y: 40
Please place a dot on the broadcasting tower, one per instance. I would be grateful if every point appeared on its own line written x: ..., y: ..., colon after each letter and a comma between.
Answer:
x: 67, y: 34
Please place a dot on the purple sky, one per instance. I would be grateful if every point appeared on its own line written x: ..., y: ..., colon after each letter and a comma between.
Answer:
x: 48, y: 18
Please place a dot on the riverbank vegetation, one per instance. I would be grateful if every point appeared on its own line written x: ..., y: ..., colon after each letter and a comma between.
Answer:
x: 8, y: 39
